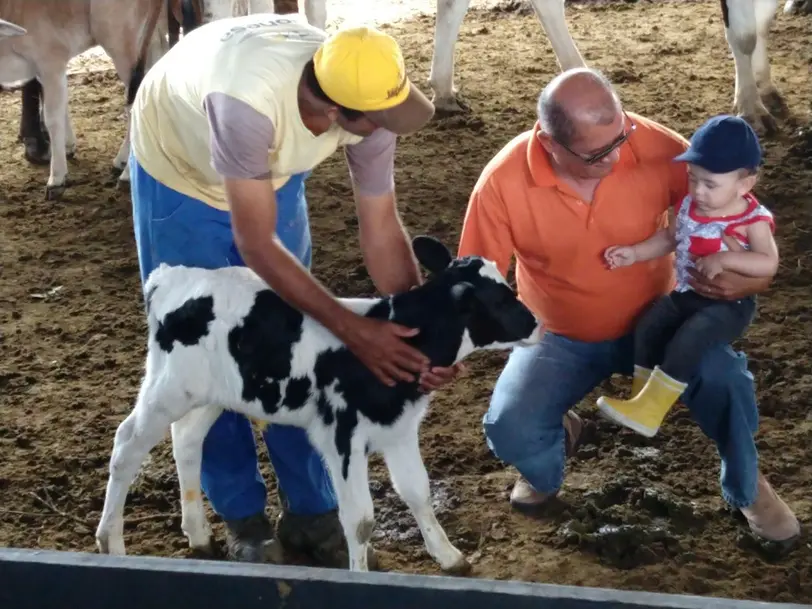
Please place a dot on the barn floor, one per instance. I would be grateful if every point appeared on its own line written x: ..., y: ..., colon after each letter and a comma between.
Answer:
x: 72, y: 333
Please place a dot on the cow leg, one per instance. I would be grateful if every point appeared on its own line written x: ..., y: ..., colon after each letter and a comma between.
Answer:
x: 172, y: 25
x: 240, y: 8
x: 316, y: 13
x: 450, y: 14
x: 553, y: 21
x: 188, y: 435
x: 121, y: 162
x: 157, y: 47
x: 411, y: 482
x: 280, y: 7
x: 70, y: 136
x: 121, y: 50
x: 32, y: 131
x: 355, y: 508
x: 765, y: 15
x: 741, y: 34
x: 798, y: 7
x: 55, y: 103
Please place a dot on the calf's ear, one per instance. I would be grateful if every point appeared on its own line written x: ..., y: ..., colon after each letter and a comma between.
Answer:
x: 431, y: 253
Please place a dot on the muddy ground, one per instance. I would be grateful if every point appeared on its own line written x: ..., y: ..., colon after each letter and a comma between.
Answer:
x: 643, y: 515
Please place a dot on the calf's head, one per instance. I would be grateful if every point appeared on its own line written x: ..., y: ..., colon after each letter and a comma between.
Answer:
x: 493, y: 316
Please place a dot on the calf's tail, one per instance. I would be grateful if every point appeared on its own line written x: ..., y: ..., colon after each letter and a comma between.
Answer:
x: 154, y: 281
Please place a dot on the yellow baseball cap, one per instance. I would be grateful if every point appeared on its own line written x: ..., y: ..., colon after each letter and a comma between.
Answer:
x: 362, y: 68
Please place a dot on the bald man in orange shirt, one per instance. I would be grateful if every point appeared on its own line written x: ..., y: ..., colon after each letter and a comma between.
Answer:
x: 587, y: 176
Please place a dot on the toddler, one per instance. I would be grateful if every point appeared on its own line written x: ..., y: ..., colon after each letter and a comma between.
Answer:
x: 672, y: 336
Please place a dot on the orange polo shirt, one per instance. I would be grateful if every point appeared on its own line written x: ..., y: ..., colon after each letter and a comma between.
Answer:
x: 520, y: 208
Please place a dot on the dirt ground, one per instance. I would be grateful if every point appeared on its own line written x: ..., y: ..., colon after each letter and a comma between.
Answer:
x: 643, y: 514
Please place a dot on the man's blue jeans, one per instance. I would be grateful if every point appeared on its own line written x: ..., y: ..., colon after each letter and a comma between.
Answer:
x: 539, y: 384
x: 173, y: 228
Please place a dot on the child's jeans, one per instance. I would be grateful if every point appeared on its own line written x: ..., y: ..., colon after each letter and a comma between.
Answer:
x: 681, y: 326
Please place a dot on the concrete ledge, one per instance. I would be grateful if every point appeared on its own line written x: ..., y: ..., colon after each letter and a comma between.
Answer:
x: 34, y: 579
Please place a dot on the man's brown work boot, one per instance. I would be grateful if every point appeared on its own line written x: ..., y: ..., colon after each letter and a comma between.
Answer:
x: 318, y: 538
x: 524, y: 498
x: 771, y: 519
x: 251, y: 539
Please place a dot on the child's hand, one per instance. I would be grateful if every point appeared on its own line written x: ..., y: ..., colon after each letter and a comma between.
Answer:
x: 619, y: 255
x: 710, y: 266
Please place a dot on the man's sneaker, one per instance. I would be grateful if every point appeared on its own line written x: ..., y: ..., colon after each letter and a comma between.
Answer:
x: 251, y: 539
x: 319, y: 539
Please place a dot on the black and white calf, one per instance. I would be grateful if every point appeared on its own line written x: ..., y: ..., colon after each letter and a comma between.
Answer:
x: 222, y: 339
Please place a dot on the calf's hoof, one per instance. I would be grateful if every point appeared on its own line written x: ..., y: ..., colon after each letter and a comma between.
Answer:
x: 204, y: 549
x: 461, y: 567
x: 106, y: 547
x: 123, y: 185
x: 200, y: 539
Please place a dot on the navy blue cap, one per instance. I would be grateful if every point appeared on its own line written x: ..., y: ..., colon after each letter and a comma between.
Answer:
x: 723, y: 144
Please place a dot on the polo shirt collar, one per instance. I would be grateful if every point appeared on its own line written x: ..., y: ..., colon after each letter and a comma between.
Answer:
x: 538, y: 160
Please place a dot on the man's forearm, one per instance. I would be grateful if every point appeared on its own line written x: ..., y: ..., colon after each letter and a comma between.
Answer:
x: 295, y: 285
x: 391, y: 263
x: 386, y: 246
x: 253, y: 216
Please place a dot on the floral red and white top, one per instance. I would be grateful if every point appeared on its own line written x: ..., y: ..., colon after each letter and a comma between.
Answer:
x: 702, y: 235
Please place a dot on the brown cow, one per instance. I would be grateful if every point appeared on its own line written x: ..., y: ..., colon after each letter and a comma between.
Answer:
x: 185, y: 14
x: 34, y: 137
x: 124, y: 28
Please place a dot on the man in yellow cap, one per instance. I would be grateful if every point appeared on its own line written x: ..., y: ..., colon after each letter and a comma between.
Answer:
x: 225, y: 129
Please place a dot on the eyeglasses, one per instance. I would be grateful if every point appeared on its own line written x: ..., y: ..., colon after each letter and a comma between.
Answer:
x: 605, y: 152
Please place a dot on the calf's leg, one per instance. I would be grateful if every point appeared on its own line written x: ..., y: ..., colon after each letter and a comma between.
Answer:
x: 137, y: 435
x: 350, y: 476
x: 188, y: 435
x: 411, y: 482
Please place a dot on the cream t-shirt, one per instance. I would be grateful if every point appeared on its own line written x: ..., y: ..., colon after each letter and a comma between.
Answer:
x: 257, y: 60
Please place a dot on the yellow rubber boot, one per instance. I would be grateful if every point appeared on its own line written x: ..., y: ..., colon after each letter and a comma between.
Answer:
x: 639, y: 379
x: 645, y: 412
